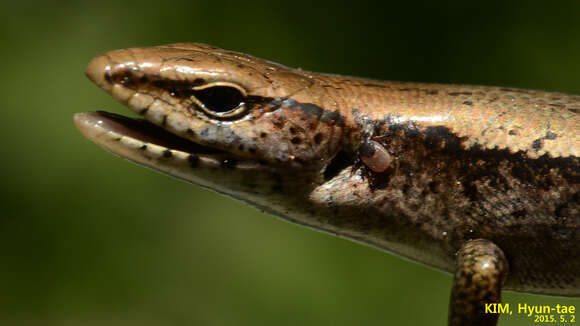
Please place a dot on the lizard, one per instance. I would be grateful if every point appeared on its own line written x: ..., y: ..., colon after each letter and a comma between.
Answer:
x: 480, y: 182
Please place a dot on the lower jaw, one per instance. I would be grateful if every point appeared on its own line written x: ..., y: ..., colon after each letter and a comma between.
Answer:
x: 146, y: 144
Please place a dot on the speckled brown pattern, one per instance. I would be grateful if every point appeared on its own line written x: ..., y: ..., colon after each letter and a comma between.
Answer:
x: 481, y: 269
x: 450, y: 163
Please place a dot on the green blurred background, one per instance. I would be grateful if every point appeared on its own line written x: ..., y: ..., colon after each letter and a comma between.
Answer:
x: 89, y: 239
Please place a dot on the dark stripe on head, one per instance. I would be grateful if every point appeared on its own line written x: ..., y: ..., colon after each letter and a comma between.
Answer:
x: 326, y: 116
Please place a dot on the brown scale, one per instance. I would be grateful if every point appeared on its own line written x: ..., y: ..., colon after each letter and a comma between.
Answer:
x: 461, y: 178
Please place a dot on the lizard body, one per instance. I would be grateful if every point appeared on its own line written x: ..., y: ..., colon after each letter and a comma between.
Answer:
x: 425, y: 171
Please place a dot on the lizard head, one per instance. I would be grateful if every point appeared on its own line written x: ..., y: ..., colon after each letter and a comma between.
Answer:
x: 237, y: 124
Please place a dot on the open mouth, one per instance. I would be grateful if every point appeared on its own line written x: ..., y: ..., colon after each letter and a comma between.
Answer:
x: 147, y: 144
x: 162, y: 134
x: 144, y: 141
x: 148, y: 133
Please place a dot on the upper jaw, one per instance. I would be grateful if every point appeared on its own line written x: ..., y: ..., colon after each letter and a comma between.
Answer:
x: 120, y: 76
x: 166, y: 132
x: 128, y: 79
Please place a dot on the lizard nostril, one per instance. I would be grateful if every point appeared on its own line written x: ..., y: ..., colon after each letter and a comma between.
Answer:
x: 124, y: 77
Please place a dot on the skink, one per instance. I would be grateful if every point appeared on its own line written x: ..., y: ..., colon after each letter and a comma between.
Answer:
x: 480, y: 182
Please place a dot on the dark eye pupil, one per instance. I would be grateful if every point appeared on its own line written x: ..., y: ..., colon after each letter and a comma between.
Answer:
x: 220, y: 98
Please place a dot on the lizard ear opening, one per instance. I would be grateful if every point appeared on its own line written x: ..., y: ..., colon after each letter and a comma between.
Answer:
x: 341, y: 161
x: 220, y: 100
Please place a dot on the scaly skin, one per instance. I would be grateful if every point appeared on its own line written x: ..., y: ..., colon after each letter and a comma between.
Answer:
x: 458, y: 163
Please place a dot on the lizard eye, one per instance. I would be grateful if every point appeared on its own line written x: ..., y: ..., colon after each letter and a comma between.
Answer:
x: 220, y: 100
